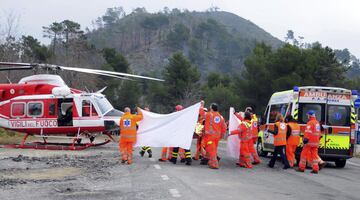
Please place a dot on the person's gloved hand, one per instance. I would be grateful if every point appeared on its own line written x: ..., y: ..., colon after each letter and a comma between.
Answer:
x: 305, y: 141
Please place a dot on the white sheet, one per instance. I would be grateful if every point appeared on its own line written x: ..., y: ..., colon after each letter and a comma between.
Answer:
x: 170, y: 130
x: 233, y: 141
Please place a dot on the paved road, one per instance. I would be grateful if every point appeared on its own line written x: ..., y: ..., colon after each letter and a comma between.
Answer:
x: 97, y: 174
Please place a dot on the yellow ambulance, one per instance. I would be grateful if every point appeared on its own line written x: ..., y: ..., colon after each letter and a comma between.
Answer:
x: 334, y: 108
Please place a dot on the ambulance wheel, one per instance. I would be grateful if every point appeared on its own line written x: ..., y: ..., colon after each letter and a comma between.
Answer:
x: 260, y: 149
x: 340, y: 163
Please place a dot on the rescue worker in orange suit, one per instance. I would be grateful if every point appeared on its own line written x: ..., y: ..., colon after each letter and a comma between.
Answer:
x: 321, y: 163
x: 128, y: 133
x: 280, y: 130
x: 254, y: 136
x: 293, y: 139
x: 215, y: 128
x: 146, y: 148
x: 245, y: 133
x: 166, y: 151
x: 311, y: 143
x: 199, y: 133
x: 177, y: 150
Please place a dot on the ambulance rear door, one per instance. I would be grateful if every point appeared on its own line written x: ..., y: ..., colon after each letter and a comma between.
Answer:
x: 336, y: 139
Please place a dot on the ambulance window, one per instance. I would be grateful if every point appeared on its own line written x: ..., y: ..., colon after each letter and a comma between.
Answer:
x: 264, y: 118
x: 52, y: 109
x: 275, y: 110
x: 338, y: 115
x: 305, y: 108
x: 86, y: 108
x: 35, y: 109
x: 18, y: 109
x: 289, y: 110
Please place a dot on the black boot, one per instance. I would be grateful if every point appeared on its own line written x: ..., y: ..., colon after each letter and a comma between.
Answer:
x: 173, y: 160
x: 182, y: 160
x: 142, y: 153
x: 204, y: 161
x: 150, y: 153
x: 188, y: 161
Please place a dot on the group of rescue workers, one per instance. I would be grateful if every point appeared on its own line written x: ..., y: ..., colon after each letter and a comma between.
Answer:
x: 212, y: 127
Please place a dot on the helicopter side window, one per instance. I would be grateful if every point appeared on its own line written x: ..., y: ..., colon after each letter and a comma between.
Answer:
x: 18, y: 109
x: 35, y: 109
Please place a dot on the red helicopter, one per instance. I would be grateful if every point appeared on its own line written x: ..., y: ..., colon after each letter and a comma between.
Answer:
x: 44, y: 106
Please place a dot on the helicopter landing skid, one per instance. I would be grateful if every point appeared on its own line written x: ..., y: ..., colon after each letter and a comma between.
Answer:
x: 54, y: 146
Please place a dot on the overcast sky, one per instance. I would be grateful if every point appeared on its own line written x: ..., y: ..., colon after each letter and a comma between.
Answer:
x: 335, y: 23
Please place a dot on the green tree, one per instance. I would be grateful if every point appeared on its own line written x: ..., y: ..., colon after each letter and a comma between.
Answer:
x: 224, y: 96
x: 33, y: 50
x: 112, y: 15
x: 53, y: 31
x: 120, y: 93
x: 181, y: 80
x: 178, y: 36
x: 255, y: 81
x: 267, y: 71
x: 71, y: 30
x: 115, y: 61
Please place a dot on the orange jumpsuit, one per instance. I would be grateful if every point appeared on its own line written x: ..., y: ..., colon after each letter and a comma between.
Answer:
x: 166, y: 151
x: 253, y: 139
x: 214, y: 128
x: 245, y: 133
x: 292, y: 142
x: 128, y: 135
x: 198, y: 153
x: 310, y: 149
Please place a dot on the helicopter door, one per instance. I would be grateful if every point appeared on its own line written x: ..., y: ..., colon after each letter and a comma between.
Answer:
x: 65, y: 112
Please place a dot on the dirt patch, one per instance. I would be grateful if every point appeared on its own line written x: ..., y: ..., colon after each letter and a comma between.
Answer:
x: 62, y: 168
x: 44, y: 174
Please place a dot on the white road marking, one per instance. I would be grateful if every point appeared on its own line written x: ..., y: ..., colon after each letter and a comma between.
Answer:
x: 355, y: 164
x: 175, y: 193
x: 152, y: 159
x: 157, y: 166
x: 165, y: 177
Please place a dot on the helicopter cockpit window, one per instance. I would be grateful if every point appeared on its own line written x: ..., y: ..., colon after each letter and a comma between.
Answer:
x: 86, y: 108
x: 35, y: 109
x: 18, y: 109
x: 103, y: 104
x: 93, y: 111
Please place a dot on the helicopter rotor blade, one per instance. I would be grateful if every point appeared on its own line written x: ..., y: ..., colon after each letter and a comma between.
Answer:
x: 84, y: 70
x: 6, y: 66
x: 17, y: 64
x: 16, y: 68
x: 109, y: 73
x: 120, y: 75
